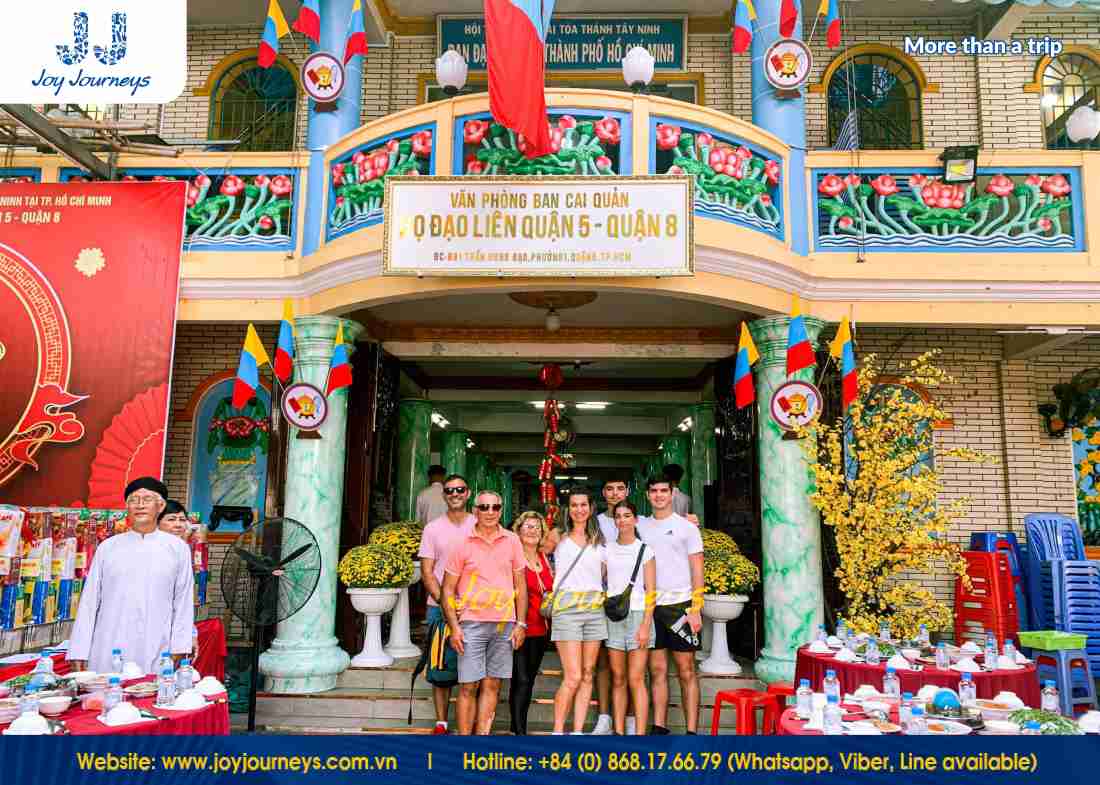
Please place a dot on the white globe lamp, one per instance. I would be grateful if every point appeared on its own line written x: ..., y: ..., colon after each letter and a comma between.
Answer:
x: 451, y: 71
x: 638, y: 68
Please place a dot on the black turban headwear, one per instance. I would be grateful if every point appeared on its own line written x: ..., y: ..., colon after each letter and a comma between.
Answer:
x: 146, y: 483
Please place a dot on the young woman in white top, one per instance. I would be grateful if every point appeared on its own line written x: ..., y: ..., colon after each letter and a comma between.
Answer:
x: 629, y: 640
x: 579, y: 624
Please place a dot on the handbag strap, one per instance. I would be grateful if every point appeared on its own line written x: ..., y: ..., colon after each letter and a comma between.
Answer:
x: 571, y: 566
x: 538, y: 572
x: 637, y: 564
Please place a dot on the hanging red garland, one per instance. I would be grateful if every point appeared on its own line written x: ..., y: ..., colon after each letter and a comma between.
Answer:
x: 550, y: 377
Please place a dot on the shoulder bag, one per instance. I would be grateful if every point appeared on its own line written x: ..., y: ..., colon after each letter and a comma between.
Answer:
x: 617, y: 608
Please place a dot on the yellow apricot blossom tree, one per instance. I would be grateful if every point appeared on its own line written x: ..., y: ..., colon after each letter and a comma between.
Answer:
x: 877, y: 487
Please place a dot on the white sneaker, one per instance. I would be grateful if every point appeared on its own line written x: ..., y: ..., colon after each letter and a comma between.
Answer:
x: 576, y: 733
x: 603, y: 726
x: 631, y: 726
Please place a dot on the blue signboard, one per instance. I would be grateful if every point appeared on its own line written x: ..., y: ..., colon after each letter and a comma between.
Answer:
x: 580, y: 43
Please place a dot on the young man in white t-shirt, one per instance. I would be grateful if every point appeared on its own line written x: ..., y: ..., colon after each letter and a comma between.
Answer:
x: 678, y: 551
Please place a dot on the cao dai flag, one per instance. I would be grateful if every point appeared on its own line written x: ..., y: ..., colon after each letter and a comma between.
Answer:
x: 357, y: 35
x: 284, y: 350
x: 788, y: 17
x: 308, y: 22
x: 339, y: 369
x: 829, y: 10
x: 274, y: 29
x: 515, y: 39
x: 253, y: 357
x: 742, y: 25
x: 743, y: 389
x: 841, y: 349
x: 800, y: 354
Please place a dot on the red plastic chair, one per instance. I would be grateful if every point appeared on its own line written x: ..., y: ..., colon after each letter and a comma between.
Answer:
x: 990, y: 602
x: 745, y: 703
x: 782, y: 690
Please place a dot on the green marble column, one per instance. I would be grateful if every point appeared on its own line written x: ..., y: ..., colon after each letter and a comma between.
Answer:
x: 791, y: 533
x: 414, y: 426
x: 453, y: 456
x: 676, y: 448
x: 477, y: 468
x: 704, y: 455
x: 504, y: 480
x: 305, y: 656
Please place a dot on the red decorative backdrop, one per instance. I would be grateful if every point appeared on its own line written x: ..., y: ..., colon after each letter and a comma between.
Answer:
x: 89, y: 279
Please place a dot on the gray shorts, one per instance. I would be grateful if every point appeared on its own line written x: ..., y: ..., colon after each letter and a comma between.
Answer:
x: 620, y: 634
x: 487, y: 651
x: 579, y: 626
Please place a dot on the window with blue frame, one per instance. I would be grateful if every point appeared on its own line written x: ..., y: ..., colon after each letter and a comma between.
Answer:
x: 255, y: 106
x: 1070, y: 81
x: 885, y: 95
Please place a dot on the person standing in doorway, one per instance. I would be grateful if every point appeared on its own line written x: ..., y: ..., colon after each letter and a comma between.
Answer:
x: 678, y: 551
x: 485, y: 604
x: 430, y: 503
x: 527, y: 659
x: 439, y: 539
x: 681, y: 502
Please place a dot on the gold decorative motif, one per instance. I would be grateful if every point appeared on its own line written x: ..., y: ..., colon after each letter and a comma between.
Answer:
x: 90, y: 261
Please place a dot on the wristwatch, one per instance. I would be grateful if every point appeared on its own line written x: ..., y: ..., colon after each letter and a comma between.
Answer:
x: 522, y: 624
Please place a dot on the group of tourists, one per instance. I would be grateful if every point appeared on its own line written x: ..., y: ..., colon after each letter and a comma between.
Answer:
x: 616, y: 593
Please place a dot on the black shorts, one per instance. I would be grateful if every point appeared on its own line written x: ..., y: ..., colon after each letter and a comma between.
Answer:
x: 665, y: 617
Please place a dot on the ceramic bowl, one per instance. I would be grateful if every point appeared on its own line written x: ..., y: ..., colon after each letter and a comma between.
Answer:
x: 910, y: 654
x: 132, y: 670
x: 29, y: 725
x: 124, y: 713
x: 55, y: 706
x: 190, y: 699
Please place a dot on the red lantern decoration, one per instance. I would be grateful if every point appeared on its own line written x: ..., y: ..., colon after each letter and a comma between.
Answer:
x: 550, y: 376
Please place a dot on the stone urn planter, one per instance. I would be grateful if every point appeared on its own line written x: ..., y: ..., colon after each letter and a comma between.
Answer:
x: 372, y: 603
x: 721, y: 608
x: 400, y: 643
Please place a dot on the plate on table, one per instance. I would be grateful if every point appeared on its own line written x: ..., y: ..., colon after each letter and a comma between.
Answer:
x: 1001, y: 728
x: 947, y: 728
x: 883, y: 726
x: 141, y: 690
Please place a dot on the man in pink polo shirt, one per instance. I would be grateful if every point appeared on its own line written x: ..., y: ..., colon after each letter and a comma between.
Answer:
x: 437, y: 542
x: 484, y: 594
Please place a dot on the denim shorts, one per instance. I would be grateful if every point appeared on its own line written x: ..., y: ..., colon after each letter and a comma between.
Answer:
x: 487, y: 651
x: 620, y: 634
x: 579, y: 626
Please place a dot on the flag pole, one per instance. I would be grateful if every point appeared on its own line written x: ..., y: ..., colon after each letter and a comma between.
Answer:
x: 276, y: 454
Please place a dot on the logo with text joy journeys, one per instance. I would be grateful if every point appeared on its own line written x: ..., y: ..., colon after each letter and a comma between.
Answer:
x: 88, y: 73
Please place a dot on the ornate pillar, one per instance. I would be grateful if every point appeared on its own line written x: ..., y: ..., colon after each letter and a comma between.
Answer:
x: 704, y: 455
x: 504, y: 481
x: 791, y: 532
x: 676, y: 448
x: 414, y: 426
x: 305, y: 656
x: 325, y: 128
x: 477, y: 465
x: 453, y: 456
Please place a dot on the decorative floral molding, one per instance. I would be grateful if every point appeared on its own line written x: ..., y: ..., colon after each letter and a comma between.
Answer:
x: 580, y: 145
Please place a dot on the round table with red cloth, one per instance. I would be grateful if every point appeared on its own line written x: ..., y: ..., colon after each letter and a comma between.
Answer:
x: 791, y: 725
x: 210, y: 662
x: 852, y: 675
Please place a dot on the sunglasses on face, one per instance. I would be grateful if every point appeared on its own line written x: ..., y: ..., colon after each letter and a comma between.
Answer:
x: 487, y: 507
x: 452, y: 491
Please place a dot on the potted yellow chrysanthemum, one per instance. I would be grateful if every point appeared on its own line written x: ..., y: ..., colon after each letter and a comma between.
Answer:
x: 375, y: 575
x: 403, y: 536
x: 728, y: 577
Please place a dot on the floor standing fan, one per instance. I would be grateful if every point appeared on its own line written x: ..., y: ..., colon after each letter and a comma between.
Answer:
x: 269, y: 574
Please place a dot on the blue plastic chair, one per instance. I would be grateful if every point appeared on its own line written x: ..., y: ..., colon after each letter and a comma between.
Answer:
x: 1072, y: 672
x: 1049, y: 536
x: 1071, y: 601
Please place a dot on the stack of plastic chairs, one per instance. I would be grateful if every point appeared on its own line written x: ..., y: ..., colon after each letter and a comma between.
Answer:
x: 1049, y: 536
x: 1008, y: 544
x: 989, y: 605
x: 1071, y: 591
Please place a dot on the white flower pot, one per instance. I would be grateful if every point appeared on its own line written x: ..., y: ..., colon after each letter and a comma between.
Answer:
x: 721, y: 608
x: 372, y: 603
x: 705, y: 639
x: 400, y: 643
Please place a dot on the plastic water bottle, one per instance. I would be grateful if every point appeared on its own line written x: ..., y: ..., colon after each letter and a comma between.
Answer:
x: 891, y: 684
x: 1032, y: 728
x: 990, y: 651
x: 44, y: 664
x: 884, y: 632
x: 1010, y: 649
x: 831, y: 721
x: 194, y: 641
x: 804, y: 700
x: 1050, y: 701
x: 165, y: 662
x: 842, y: 630
x: 830, y: 685
x: 29, y: 702
x: 822, y: 635
x: 905, y: 710
x: 185, y: 676
x: 116, y: 661
x: 923, y: 637
x: 113, y: 696
x: 166, y: 688
x: 968, y: 691
x: 871, y: 653
x: 916, y: 723
x: 943, y: 662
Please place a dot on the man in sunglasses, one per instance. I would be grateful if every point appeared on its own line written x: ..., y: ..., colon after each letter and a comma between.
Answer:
x: 485, y: 604
x: 437, y: 542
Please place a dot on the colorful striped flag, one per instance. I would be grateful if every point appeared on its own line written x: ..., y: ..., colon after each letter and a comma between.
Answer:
x: 800, y: 354
x: 308, y: 22
x: 339, y: 369
x: 357, y: 36
x: 284, y: 351
x: 788, y: 17
x: 744, y: 390
x: 829, y: 9
x: 743, y: 17
x: 253, y: 357
x: 274, y: 29
x: 515, y: 40
x: 841, y: 348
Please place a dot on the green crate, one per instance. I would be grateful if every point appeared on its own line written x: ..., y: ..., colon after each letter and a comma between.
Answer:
x: 1052, y: 640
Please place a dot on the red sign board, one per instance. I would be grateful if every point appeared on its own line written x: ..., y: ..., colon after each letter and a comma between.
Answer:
x: 89, y: 280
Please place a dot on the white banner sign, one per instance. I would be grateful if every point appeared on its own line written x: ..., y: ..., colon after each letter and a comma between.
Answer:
x: 598, y: 226
x: 93, y: 51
